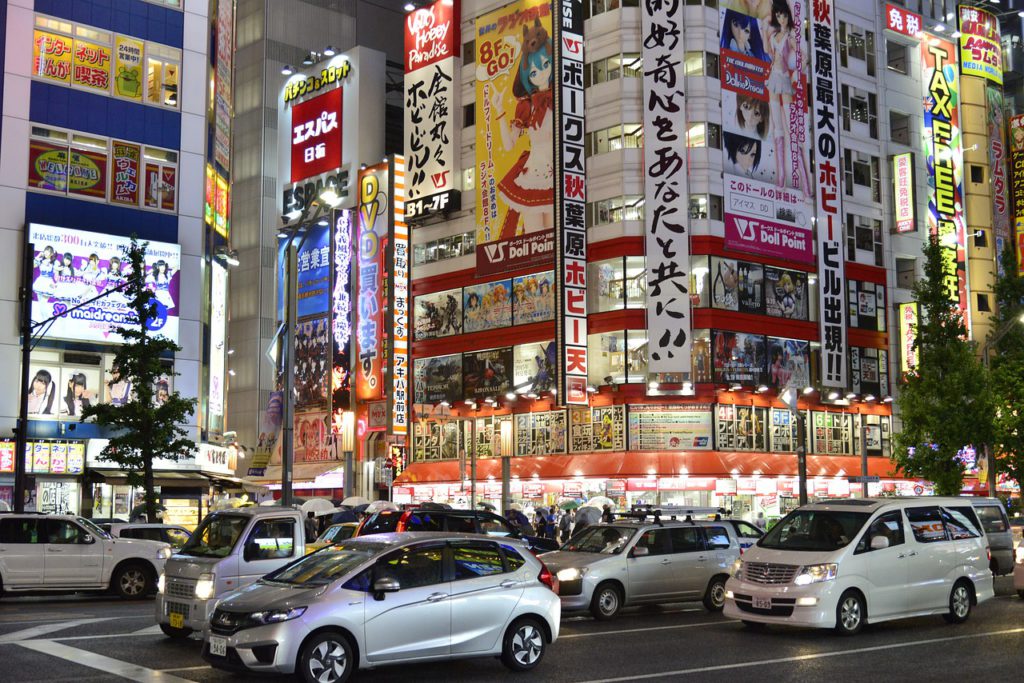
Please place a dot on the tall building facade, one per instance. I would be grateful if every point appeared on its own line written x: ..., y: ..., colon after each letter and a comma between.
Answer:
x: 115, y: 118
x: 761, y: 178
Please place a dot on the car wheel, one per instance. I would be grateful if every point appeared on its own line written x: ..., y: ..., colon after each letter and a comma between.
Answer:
x: 132, y: 581
x: 714, y: 597
x: 960, y: 600
x: 524, y: 645
x: 176, y: 633
x: 850, y: 614
x: 607, y: 601
x: 327, y: 658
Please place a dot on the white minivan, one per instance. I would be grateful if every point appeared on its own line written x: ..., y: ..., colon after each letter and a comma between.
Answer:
x: 841, y: 564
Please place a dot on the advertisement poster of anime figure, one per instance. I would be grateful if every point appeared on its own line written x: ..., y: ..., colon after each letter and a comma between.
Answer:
x: 312, y: 340
x: 73, y: 266
x: 764, y: 124
x: 997, y: 158
x: 487, y: 306
x: 785, y: 293
x: 311, y: 437
x: 438, y: 379
x: 533, y: 298
x: 438, y: 314
x: 739, y: 357
x: 700, y: 354
x: 789, y: 363
x: 514, y: 150
x: 487, y: 373
x: 737, y: 286
x: 534, y: 368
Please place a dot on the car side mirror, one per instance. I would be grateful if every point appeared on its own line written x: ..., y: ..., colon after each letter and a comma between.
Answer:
x: 88, y: 538
x: 640, y: 551
x: 385, y: 584
x: 250, y: 551
x: 879, y: 542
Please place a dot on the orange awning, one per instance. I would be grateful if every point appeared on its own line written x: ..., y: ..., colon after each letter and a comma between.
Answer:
x: 616, y: 465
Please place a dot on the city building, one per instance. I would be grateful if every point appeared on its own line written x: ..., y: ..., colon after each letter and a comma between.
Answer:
x: 779, y: 316
x: 116, y: 122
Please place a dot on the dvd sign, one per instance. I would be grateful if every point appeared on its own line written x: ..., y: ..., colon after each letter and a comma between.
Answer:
x: 768, y: 238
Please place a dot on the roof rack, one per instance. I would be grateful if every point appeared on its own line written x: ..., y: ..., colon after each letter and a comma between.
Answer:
x: 641, y: 512
x: 26, y: 512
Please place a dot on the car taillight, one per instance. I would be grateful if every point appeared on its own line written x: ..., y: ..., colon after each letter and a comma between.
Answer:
x: 988, y: 551
x: 547, y: 578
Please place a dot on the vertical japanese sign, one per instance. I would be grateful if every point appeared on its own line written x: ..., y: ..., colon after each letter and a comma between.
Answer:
x: 51, y: 56
x: 128, y: 68
x: 224, y: 50
x: 432, y: 47
x: 943, y: 147
x: 1016, y: 142
x: 374, y: 221
x: 514, y: 122
x: 908, y: 335
x: 341, y: 320
x: 124, y: 188
x: 980, y: 51
x: 316, y: 135
x: 903, y: 191
x: 997, y: 158
x: 218, y: 332
x: 764, y: 129
x: 570, y: 205
x: 313, y: 275
x: 667, y: 242
x: 829, y: 208
x: 401, y: 374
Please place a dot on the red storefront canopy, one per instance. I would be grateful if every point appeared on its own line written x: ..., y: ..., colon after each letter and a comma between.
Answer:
x: 657, y: 463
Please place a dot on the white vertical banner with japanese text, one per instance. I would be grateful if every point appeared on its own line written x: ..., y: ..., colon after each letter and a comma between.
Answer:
x: 432, y: 47
x: 667, y: 241
x: 829, y: 205
x: 570, y: 204
x: 398, y: 397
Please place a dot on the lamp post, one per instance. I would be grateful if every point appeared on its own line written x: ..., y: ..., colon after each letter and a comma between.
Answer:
x: 506, y: 463
x: 348, y: 429
x: 985, y: 358
x: 789, y: 397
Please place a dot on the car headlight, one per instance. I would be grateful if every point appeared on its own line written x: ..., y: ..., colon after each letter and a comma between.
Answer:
x: 160, y: 584
x: 164, y: 553
x: 205, y: 586
x: 277, y: 616
x: 816, y: 573
x: 572, y: 574
x: 736, y: 571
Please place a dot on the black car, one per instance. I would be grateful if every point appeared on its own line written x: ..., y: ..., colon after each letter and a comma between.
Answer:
x: 433, y: 518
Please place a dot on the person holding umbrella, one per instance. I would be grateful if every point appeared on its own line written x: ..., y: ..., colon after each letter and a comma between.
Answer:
x: 565, y: 525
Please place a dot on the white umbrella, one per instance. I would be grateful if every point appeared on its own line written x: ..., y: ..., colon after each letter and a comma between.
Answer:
x: 353, y: 501
x: 599, y: 502
x: 4, y: 507
x: 378, y: 505
x: 318, y: 506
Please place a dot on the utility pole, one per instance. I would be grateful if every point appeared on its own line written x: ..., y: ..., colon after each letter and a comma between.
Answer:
x: 801, y: 455
x: 288, y: 428
x: 21, y: 442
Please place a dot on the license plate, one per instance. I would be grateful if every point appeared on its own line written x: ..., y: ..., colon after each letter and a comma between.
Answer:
x: 218, y: 646
x: 762, y: 603
x: 177, y: 620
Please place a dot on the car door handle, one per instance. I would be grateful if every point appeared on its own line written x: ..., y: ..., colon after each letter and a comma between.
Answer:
x: 912, y: 553
x: 666, y: 561
x: 508, y: 583
x: 901, y: 556
x: 436, y: 597
x: 55, y: 550
x: 702, y: 559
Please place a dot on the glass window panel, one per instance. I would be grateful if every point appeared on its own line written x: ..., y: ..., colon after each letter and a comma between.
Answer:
x: 606, y: 353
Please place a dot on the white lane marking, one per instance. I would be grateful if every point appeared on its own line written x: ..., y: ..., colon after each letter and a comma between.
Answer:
x: 186, y: 668
x: 148, y: 631
x: 64, y: 617
x: 639, y: 630
x: 132, y: 672
x: 36, y: 631
x: 804, y: 658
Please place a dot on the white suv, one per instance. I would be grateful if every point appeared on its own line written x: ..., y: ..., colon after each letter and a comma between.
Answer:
x: 66, y: 553
x: 845, y: 563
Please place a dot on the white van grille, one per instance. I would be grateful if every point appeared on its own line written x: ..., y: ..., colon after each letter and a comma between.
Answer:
x: 763, y: 572
x: 180, y: 588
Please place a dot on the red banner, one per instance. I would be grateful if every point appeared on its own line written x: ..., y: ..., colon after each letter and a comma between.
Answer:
x: 124, y: 188
x: 47, y: 166
x: 316, y: 135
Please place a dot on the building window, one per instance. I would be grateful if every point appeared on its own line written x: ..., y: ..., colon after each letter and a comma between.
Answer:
x: 697, y: 63
x: 616, y: 283
x: 864, y: 240
x: 896, y: 54
x: 444, y: 248
x: 705, y: 207
x: 983, y: 306
x: 627, y: 136
x: 626, y: 65
x: 615, y: 210
x: 980, y: 239
x: 617, y: 357
x: 601, y: 6
x: 162, y: 75
x: 860, y: 107
x: 704, y: 135
x: 856, y: 43
x: 899, y: 127
x: 977, y: 173
x: 863, y: 170
x: 468, y: 115
x: 469, y: 52
x: 905, y: 273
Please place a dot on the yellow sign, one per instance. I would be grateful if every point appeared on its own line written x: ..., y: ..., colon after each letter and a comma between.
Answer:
x: 51, y: 56
x: 908, y: 335
x: 128, y: 68
x: 91, y: 66
x: 980, y: 51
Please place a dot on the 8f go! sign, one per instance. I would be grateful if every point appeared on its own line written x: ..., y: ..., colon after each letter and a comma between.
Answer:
x: 496, y: 56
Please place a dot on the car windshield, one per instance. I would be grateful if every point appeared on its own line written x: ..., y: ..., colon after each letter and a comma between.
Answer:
x: 92, y: 528
x: 216, y: 536
x: 325, y: 565
x: 607, y: 540
x: 820, y: 530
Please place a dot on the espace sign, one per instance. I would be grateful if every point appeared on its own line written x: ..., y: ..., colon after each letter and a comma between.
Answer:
x: 331, y: 120
x: 768, y: 238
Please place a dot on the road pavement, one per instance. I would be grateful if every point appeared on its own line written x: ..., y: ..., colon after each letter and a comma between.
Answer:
x: 93, y: 639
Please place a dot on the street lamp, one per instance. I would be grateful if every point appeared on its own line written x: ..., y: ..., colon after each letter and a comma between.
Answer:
x: 506, y: 463
x: 985, y: 358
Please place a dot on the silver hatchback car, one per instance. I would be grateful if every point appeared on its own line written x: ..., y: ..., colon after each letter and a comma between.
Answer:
x: 389, y: 599
x: 608, y: 566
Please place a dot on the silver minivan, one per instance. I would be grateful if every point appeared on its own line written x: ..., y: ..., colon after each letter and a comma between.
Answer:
x: 997, y: 528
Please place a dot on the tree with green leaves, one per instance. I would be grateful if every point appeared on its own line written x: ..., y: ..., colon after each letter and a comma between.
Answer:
x: 946, y: 402
x: 143, y: 428
x: 1007, y: 369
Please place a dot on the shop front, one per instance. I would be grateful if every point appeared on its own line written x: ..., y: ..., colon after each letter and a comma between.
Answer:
x: 54, y: 471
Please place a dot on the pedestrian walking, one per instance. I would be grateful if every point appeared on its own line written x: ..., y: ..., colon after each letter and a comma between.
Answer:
x: 310, y: 527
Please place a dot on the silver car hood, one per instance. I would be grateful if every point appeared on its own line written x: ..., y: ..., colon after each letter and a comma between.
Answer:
x: 260, y: 596
x: 561, y: 559
x: 189, y: 566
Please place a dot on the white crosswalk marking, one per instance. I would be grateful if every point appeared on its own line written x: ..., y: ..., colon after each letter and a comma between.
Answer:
x: 132, y: 672
x: 44, y: 629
